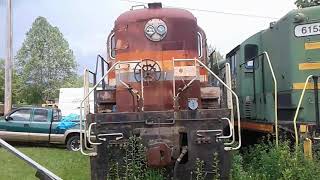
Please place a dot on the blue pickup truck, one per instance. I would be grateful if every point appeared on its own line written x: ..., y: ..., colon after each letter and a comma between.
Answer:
x: 43, y: 125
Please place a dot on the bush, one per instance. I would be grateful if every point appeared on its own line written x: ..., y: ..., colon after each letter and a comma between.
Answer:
x: 267, y: 162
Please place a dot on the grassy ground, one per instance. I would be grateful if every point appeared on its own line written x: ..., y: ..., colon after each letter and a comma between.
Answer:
x: 66, y: 164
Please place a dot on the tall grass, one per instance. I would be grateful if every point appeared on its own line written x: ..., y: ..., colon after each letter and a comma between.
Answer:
x: 265, y: 161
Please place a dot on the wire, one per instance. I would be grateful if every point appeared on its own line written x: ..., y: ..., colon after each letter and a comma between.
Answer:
x: 211, y: 11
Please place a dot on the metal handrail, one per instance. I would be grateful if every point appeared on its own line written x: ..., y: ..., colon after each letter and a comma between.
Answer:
x: 87, y: 96
x: 230, y: 102
x: 230, y: 129
x: 89, y: 134
x: 275, y: 98
x: 237, y: 103
x: 275, y: 91
x: 174, y: 80
x: 297, y: 110
x: 42, y: 170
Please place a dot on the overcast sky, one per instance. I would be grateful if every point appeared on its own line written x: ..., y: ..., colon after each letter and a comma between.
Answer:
x: 87, y: 23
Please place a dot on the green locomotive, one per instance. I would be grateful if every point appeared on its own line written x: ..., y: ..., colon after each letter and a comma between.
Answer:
x: 292, y: 45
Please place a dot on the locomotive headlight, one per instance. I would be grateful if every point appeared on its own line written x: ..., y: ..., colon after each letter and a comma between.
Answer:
x: 193, y: 103
x: 150, y: 30
x: 155, y: 29
x: 161, y: 29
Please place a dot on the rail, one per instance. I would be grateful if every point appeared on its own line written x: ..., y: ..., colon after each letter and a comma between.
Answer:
x: 237, y: 104
x: 86, y: 97
x: 102, y: 63
x: 231, y: 130
x: 275, y: 91
x: 299, y: 105
x: 230, y: 102
x: 176, y: 96
x: 42, y: 172
x: 228, y: 88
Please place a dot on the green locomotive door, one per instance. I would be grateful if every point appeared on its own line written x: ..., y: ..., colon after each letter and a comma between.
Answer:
x: 252, y: 85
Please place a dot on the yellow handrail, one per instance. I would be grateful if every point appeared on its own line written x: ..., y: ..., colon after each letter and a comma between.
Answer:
x: 297, y: 110
x: 275, y: 98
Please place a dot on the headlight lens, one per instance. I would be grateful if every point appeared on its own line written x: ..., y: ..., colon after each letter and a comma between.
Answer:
x: 161, y: 29
x: 150, y: 30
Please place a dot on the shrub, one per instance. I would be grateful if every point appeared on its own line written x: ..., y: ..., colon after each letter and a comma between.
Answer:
x: 266, y: 161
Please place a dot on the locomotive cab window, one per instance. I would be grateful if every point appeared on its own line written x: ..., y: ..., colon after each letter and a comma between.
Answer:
x: 250, y: 51
x: 199, y: 44
x: 112, y: 46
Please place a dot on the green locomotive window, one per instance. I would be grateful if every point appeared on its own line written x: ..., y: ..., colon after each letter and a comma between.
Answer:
x: 250, y: 51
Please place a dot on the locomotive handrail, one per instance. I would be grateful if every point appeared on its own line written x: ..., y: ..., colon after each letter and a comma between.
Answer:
x: 275, y: 91
x: 87, y: 101
x: 174, y: 81
x: 87, y: 96
x: 103, y: 61
x: 230, y: 101
x: 89, y: 134
x: 298, y: 108
x: 231, y: 129
x: 233, y: 93
x: 237, y: 103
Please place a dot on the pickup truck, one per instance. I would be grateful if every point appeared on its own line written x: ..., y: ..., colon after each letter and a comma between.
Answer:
x: 43, y: 125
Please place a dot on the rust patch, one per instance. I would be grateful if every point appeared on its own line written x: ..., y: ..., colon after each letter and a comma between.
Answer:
x: 159, y: 155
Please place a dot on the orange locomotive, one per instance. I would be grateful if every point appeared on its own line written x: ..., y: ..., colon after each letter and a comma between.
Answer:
x: 157, y: 89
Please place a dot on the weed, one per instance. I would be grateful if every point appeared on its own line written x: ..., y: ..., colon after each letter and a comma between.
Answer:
x: 215, y: 166
x: 133, y: 165
x: 199, y: 169
x: 266, y: 161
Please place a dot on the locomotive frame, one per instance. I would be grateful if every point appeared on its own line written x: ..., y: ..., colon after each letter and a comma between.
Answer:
x: 155, y: 89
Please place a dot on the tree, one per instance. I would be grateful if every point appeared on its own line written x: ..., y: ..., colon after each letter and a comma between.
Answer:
x: 44, y: 63
x: 307, y: 3
x: 213, y: 54
x: 15, y: 84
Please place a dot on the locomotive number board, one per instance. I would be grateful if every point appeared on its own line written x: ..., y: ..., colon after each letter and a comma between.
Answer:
x: 307, y: 30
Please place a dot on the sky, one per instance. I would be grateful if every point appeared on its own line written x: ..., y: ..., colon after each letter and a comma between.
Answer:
x: 86, y: 24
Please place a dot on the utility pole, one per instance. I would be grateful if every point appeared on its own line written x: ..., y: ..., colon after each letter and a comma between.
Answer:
x: 8, y: 62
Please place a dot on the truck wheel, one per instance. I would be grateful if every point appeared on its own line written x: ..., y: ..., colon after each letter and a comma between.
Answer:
x: 73, y: 143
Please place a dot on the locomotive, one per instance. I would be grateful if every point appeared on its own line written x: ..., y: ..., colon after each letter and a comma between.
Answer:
x: 156, y: 88
x: 275, y: 74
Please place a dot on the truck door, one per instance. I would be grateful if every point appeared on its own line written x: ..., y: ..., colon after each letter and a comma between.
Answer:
x: 16, y: 127
x: 40, y: 125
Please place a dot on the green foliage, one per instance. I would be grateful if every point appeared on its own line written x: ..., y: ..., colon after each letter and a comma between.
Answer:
x: 306, y: 3
x: 16, y: 83
x: 215, y: 166
x: 44, y: 63
x: 133, y: 164
x: 135, y: 159
x: 199, y: 169
x: 267, y: 162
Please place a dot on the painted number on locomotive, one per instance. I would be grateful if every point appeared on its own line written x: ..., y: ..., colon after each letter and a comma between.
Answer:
x: 307, y: 30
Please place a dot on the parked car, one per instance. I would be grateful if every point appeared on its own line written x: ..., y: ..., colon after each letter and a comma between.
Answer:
x: 32, y: 124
